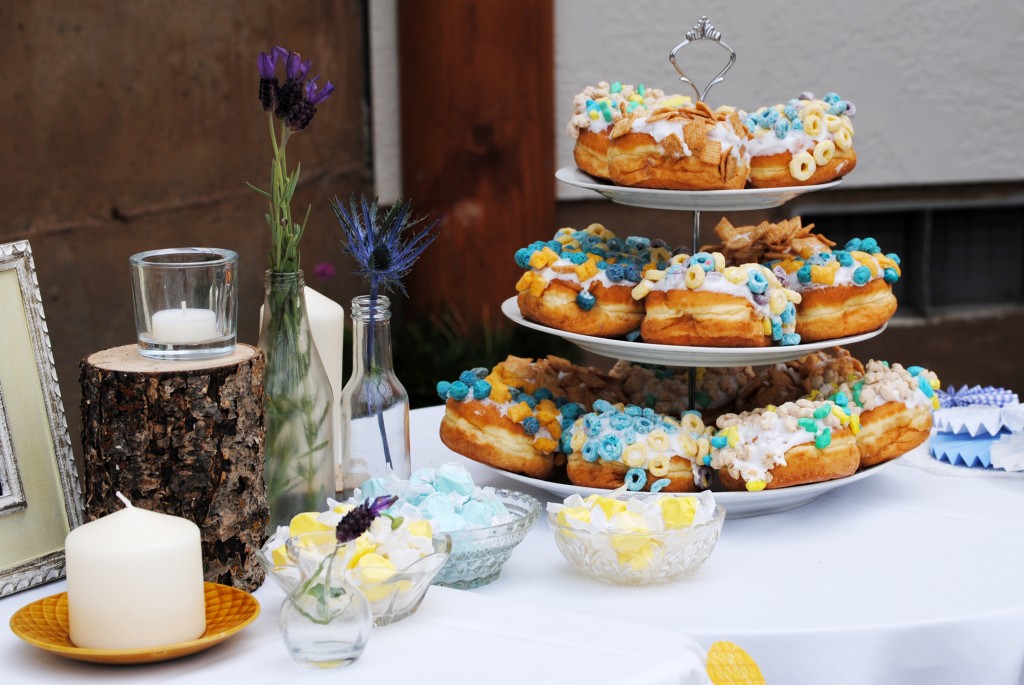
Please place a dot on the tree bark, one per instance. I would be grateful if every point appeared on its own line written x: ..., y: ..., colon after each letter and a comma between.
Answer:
x: 181, y: 438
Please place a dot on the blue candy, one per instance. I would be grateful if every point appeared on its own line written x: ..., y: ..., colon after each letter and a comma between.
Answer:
x: 636, y: 479
x: 790, y: 339
x: 481, y: 390
x: 531, y: 425
x: 803, y: 274
x: 660, y: 484
x: 861, y: 275
x: 458, y: 391
x: 585, y: 300
x: 590, y: 450
x: 442, y: 389
x: 719, y: 441
x: 914, y: 370
x: 467, y: 377
x: 890, y: 275
x: 610, y: 448
x: 841, y: 399
x: 925, y: 386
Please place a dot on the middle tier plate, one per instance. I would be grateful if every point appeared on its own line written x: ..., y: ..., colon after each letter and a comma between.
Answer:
x: 680, y: 355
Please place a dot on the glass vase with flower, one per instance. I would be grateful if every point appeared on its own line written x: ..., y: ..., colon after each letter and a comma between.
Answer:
x: 299, y: 458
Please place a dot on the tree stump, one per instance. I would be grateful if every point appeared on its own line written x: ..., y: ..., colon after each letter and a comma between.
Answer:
x: 183, y: 438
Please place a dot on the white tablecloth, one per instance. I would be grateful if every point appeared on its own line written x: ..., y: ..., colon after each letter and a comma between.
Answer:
x: 905, y: 577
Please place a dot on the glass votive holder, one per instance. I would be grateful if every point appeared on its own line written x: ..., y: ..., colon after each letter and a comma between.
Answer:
x: 186, y: 302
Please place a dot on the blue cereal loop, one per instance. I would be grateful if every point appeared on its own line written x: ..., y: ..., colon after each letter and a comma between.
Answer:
x: 603, y: 265
x: 719, y: 441
x: 790, y: 339
x: 831, y: 97
x: 480, y: 372
x: 660, y: 484
x: 589, y: 451
x: 544, y: 394
x: 620, y: 421
x: 530, y: 425
x: 643, y: 425
x: 639, y: 242
x: 564, y: 442
x: 592, y: 425
x: 706, y: 261
x: 756, y: 281
x: 788, y: 314
x: 844, y: 257
x: 869, y: 245
x: 629, y: 435
x: 555, y: 246
x: 838, y: 107
x: 633, y: 274
x: 633, y: 410
x: 768, y: 118
x: 861, y: 275
x: 781, y: 128
x: 602, y: 406
x: 791, y: 112
x: 751, y: 123
x: 467, y: 377
x: 650, y: 414
x: 481, y: 390
x: 636, y: 479
x: 523, y: 255
x: 577, y: 258
x: 615, y: 273
x: 797, y: 125
x: 610, y: 448
x: 803, y: 274
x: 530, y: 400
x: 585, y: 300
x: 561, y: 401
x: 890, y: 276
x: 458, y: 391
x: 776, y: 330
x: 668, y: 428
x: 616, y: 245
x: 853, y: 245
x: 442, y: 389
x: 894, y: 257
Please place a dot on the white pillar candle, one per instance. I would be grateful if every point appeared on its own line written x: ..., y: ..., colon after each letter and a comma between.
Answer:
x: 184, y: 325
x: 327, y: 323
x: 135, y: 579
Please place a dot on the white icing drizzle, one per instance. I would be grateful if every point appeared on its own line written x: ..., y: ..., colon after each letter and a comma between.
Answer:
x: 714, y: 282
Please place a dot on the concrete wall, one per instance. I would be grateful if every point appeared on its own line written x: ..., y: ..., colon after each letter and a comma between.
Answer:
x: 135, y: 125
x: 935, y: 82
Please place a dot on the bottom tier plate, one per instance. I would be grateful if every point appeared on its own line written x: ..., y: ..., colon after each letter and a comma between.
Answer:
x: 680, y: 355
x: 737, y: 504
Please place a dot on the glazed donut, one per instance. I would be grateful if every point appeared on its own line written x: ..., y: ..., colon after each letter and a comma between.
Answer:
x: 595, y: 110
x: 582, y: 280
x: 791, y: 444
x: 895, y: 408
x: 844, y: 292
x: 678, y: 147
x: 639, y: 448
x: 699, y: 301
x: 804, y: 142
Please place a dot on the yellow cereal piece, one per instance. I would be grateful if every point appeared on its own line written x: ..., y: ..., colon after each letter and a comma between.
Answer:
x: 847, y: 124
x: 600, y: 231
x: 843, y: 417
x: 694, y: 276
x: 520, y: 411
x: 547, y: 407
x: 824, y: 151
x: 719, y: 260
x: 885, y: 262
x: 660, y: 254
x: 524, y: 281
x: 637, y: 98
x: 854, y: 423
x: 647, y: 267
x: 564, y: 231
x: 766, y: 325
x: 756, y: 485
x: 545, y: 445
x: 586, y: 270
x: 777, y: 302
x: 812, y: 125
x: 554, y: 427
x: 843, y: 138
x: 578, y: 440
x: 658, y: 440
x: 792, y: 295
x: 813, y: 108
x: 677, y: 512
x: 655, y: 275
x: 728, y: 664
x: 867, y: 260
x: 538, y: 286
x: 935, y: 383
x: 670, y: 421
x: 500, y: 392
x: 772, y: 279
x: 732, y: 434
x: 594, y: 114
x: 594, y: 257
x: 770, y: 407
x: 642, y: 290
x: 820, y: 274
x: 543, y: 258
x: 813, y: 394
x: 675, y: 101
x: 689, y: 445
x: 833, y: 123
x: 802, y: 166
x: 635, y: 455
x: 691, y: 423
x: 659, y: 466
x: 677, y: 259
x: 791, y: 265
x: 935, y: 402
x: 735, y: 275
x: 703, y: 447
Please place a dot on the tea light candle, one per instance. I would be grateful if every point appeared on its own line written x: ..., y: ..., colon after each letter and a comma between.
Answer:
x: 135, y: 579
x: 185, y: 325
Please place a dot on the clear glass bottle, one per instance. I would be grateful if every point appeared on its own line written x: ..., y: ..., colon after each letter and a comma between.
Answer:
x: 374, y: 405
x: 299, y: 456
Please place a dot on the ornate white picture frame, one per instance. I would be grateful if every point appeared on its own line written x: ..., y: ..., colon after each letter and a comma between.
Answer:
x: 40, y: 496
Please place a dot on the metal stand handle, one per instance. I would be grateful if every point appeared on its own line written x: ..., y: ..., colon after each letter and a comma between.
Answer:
x: 704, y: 30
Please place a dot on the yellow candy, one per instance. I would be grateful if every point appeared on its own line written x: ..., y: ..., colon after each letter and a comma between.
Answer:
x: 610, y: 506
x: 843, y: 417
x: 658, y: 440
x: 732, y: 434
x: 362, y: 547
x: 756, y: 485
x: 586, y: 270
x: 627, y: 525
x: 659, y: 466
x: 372, y: 573
x: 577, y: 441
x: 855, y: 423
x: 735, y: 275
x: 635, y: 97
x: 677, y: 512
x: 802, y: 166
x: 694, y: 276
x: 719, y: 259
x: 635, y: 455
x: 420, y: 527
x: 594, y: 114
x: 642, y: 290
x: 935, y: 383
x: 306, y: 522
x: 279, y: 555
x: 573, y: 514
x: 777, y: 302
x: 770, y: 407
x: 728, y: 664
x: 519, y: 412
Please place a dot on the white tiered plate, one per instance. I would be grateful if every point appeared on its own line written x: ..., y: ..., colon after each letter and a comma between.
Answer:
x: 680, y: 355
x: 737, y: 504
x: 700, y: 200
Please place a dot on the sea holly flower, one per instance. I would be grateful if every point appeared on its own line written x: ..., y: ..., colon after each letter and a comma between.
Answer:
x: 357, y: 521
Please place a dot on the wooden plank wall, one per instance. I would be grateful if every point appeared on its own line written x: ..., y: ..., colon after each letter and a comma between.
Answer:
x: 477, y: 83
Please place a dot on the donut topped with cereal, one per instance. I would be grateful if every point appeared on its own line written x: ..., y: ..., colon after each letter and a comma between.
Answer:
x: 803, y: 142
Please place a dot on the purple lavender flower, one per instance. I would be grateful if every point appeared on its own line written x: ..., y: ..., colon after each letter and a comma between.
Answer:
x: 357, y: 521
x: 267, y: 65
x: 324, y: 271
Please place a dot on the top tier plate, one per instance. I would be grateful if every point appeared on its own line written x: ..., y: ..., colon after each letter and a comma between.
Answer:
x: 693, y: 200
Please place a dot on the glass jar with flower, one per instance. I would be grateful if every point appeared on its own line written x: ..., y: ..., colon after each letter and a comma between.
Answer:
x: 299, y: 458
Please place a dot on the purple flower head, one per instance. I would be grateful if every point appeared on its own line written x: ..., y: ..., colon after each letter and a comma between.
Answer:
x: 357, y: 521
x: 267, y: 65
x: 312, y: 96
x: 324, y: 271
x: 294, y: 101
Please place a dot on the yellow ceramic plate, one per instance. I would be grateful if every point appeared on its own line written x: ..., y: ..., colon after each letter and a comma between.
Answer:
x: 44, y: 623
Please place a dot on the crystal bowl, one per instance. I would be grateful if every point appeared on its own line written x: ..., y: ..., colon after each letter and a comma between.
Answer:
x: 478, y: 554
x: 391, y: 599
x: 638, y: 558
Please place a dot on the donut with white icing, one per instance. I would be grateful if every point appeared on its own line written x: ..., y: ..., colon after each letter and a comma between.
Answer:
x: 895, y: 408
x: 595, y: 111
x: 582, y: 281
x: 678, y: 147
x: 699, y: 301
x: 803, y: 142
x: 843, y: 292
x: 665, y: 389
x: 791, y: 444
x: 618, y: 445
